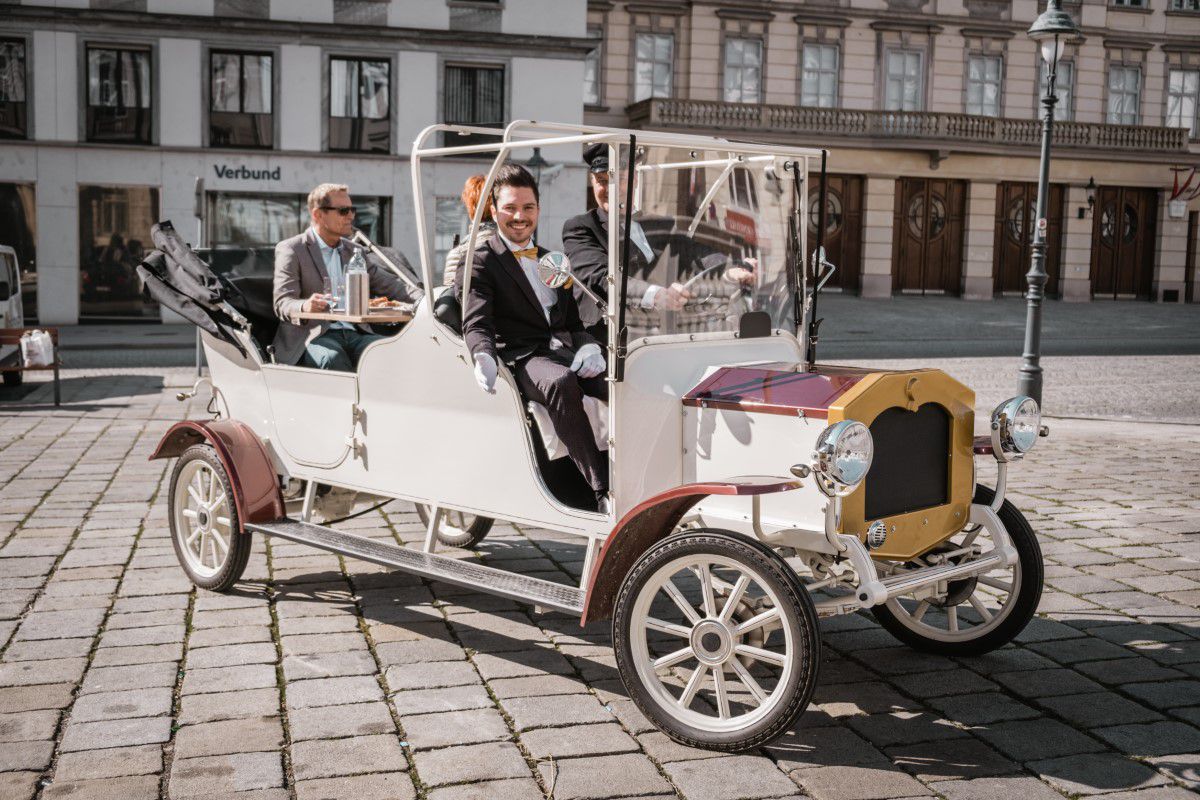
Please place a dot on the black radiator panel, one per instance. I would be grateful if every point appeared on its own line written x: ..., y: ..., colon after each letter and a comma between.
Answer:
x: 911, y: 469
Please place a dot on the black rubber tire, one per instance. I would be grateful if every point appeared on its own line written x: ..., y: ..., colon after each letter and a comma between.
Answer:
x: 472, y: 535
x: 14, y: 378
x: 1029, y: 552
x: 240, y: 544
x: 797, y: 605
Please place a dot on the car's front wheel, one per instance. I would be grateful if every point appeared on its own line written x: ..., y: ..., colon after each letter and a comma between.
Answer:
x: 716, y: 640
x: 204, y: 522
x: 458, y: 529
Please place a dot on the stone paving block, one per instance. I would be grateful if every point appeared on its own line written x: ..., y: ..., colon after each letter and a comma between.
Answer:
x: 940, y: 684
x: 394, y: 653
x: 475, y: 762
x: 511, y: 789
x: 941, y: 761
x: 328, y: 665
x: 432, y: 675
x: 61, y: 624
x: 232, y: 618
x: 296, y: 626
x: 901, y: 727
x: 578, y: 740
x: 144, y: 619
x: 535, y: 686
x: 19, y: 785
x: 1101, y: 708
x: 219, y: 776
x: 1046, y: 682
x: 333, y: 691
x: 845, y: 699
x: 379, y: 786
x: 31, y: 673
x: 249, y: 735
x: 602, y: 777
x: 197, y: 708
x: 116, y: 679
x: 1152, y: 739
x: 117, y: 762
x: 1166, y: 694
x: 312, y: 643
x: 537, y: 660
x: 33, y: 698
x: 1073, y: 651
x: 857, y: 783
x: 1127, y: 670
x: 28, y: 726
x: 115, y: 733
x: 1039, y: 739
x: 428, y: 731
x: 228, y: 679
x: 331, y: 722
x: 1183, y: 768
x: 729, y: 778
x: 555, y: 711
x: 224, y: 636
x: 663, y: 749
x: 331, y: 758
x: 231, y: 655
x: 983, y: 709
x: 44, y: 649
x: 122, y: 705
x: 16, y: 756
x: 138, y: 787
x: 996, y: 789
x: 432, y: 701
x: 141, y: 654
x: 1096, y: 774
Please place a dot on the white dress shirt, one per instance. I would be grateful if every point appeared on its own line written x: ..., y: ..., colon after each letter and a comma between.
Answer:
x: 336, y: 273
x: 545, y: 295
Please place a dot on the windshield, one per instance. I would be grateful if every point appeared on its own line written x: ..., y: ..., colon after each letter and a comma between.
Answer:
x: 709, y: 240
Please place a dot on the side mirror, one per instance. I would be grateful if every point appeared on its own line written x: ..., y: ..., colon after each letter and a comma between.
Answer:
x: 554, y: 269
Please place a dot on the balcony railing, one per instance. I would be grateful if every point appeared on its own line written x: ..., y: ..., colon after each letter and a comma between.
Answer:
x: 924, y: 128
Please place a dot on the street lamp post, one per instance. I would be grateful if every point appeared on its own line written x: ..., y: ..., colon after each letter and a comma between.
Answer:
x: 1050, y: 30
x: 536, y: 163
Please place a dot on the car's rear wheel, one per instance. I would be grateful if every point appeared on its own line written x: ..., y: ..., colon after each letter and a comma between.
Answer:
x: 978, y: 614
x: 204, y: 523
x: 716, y: 640
x: 458, y: 529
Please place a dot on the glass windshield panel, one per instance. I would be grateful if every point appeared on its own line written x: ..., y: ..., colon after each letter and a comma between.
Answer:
x: 714, y: 228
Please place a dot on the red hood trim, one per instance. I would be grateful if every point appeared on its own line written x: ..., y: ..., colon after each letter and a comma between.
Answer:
x: 776, y: 388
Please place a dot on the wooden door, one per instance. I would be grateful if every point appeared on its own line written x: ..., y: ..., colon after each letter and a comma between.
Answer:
x: 1123, y: 232
x: 1016, y: 208
x: 843, y: 229
x: 927, y: 236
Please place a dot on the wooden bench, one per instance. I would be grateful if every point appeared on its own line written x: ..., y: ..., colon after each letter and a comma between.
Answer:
x: 13, y: 336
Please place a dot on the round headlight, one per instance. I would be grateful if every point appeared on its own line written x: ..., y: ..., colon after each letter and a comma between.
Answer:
x: 1015, y: 425
x: 844, y: 452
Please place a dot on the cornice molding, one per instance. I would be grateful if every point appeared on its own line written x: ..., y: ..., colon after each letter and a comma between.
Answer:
x: 1123, y: 43
x: 904, y: 25
x: 817, y: 18
x: 758, y: 15
x: 986, y: 32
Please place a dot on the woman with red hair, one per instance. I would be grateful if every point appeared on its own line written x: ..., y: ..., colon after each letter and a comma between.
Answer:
x: 471, y: 192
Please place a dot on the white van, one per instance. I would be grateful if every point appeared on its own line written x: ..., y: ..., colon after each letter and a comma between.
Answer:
x: 11, y: 313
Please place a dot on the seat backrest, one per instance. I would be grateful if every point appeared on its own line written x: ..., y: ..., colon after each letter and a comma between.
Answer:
x: 448, y: 311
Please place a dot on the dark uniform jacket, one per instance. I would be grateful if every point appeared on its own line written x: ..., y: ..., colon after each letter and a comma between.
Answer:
x: 585, y: 241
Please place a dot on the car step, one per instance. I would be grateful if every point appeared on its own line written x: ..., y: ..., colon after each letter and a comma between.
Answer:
x: 460, y: 572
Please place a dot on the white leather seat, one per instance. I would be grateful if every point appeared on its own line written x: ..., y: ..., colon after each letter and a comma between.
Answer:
x: 597, y: 411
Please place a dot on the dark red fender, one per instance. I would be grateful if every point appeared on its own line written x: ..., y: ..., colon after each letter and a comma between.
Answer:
x: 650, y: 521
x: 256, y: 491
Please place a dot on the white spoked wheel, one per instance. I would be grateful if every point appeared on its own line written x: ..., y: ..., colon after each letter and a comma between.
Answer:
x: 457, y: 528
x: 977, y: 614
x: 204, y: 524
x: 716, y: 640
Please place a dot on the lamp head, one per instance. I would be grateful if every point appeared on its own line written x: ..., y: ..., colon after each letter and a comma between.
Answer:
x: 1051, y: 29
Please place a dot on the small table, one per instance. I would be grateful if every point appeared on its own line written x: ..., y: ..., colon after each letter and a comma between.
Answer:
x: 387, y: 316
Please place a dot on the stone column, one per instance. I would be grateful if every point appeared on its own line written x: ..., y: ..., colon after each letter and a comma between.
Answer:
x: 1170, y: 252
x: 877, y: 237
x: 1075, y: 279
x: 980, y: 235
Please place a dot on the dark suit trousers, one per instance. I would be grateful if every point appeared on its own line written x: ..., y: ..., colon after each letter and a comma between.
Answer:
x: 546, y: 378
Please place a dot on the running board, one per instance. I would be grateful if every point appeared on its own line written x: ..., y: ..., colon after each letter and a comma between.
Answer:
x: 459, y: 572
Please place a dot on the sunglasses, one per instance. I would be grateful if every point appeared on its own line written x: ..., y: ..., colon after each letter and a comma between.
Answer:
x: 345, y: 211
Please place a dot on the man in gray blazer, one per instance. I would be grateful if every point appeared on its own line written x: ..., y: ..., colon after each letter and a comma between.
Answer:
x: 310, y: 267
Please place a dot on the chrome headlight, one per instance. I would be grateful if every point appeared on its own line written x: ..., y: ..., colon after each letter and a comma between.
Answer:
x: 844, y: 452
x: 1016, y: 424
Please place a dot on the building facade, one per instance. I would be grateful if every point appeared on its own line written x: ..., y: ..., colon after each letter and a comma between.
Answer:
x: 930, y: 110
x: 221, y: 115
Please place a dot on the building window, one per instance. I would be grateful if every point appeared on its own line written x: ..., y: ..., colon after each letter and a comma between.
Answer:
x: 1129, y: 3
x: 904, y: 81
x: 13, y: 115
x: 450, y: 226
x: 743, y: 70
x: 742, y: 193
x: 119, y: 95
x: 654, y: 73
x: 1064, y: 89
x: 1183, y: 99
x: 983, y: 86
x: 18, y: 221
x: 1185, y: 5
x: 240, y: 89
x: 359, y: 105
x: 114, y: 231
x: 591, y: 71
x: 473, y: 96
x: 819, y: 81
x: 1124, y: 95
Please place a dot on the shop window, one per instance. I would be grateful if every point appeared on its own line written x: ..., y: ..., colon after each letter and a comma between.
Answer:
x: 18, y: 221
x: 240, y: 100
x: 819, y: 82
x: 119, y: 101
x: 114, y: 236
x: 654, y: 72
x: 983, y: 86
x: 264, y: 219
x: 473, y: 96
x: 743, y: 70
x: 14, y: 116
x: 359, y: 105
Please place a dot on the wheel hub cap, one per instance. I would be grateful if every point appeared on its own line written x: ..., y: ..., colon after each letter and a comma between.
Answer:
x: 712, y: 641
x: 203, y: 519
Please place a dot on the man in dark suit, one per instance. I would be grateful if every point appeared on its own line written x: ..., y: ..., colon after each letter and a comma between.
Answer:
x: 311, y: 266
x: 509, y: 314
x: 585, y: 241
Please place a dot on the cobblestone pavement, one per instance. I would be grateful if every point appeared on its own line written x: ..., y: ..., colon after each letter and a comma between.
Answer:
x: 324, y: 678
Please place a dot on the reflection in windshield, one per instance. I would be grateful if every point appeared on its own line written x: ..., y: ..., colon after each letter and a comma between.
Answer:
x: 716, y: 226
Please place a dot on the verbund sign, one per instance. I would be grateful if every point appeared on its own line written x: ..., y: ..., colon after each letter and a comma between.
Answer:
x: 244, y: 173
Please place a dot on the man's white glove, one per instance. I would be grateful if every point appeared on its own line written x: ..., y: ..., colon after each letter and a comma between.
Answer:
x: 485, y: 372
x: 588, y: 361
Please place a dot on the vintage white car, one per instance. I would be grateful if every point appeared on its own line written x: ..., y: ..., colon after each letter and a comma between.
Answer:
x: 753, y: 490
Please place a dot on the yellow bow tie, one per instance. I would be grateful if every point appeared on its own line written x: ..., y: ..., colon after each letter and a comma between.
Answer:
x: 528, y: 252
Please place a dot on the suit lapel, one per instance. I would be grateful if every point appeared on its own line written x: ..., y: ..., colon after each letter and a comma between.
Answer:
x: 314, y: 253
x: 509, y: 262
